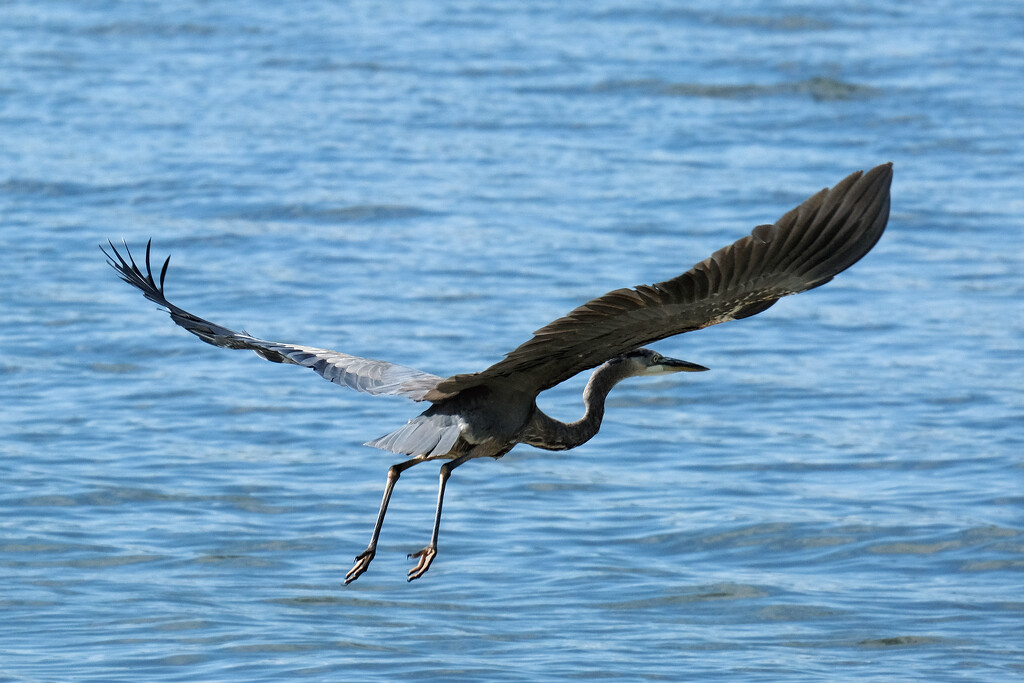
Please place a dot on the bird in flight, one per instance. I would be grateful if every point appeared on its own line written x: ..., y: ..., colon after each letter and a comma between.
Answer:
x: 485, y: 414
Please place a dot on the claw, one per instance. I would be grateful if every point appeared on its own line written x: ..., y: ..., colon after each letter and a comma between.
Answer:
x: 426, y: 557
x: 363, y: 560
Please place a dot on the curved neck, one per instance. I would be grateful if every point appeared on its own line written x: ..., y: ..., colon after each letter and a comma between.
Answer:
x: 550, y: 434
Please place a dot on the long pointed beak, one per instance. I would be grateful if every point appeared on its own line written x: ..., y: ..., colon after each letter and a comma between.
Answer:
x: 676, y: 365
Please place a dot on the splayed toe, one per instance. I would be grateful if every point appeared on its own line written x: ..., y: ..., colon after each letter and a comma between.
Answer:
x: 363, y: 560
x: 426, y: 557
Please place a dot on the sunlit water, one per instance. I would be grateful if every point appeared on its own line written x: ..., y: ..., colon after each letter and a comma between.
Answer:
x: 840, y: 498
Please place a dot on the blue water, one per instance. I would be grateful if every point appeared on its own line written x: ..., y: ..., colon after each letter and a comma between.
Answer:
x: 840, y: 499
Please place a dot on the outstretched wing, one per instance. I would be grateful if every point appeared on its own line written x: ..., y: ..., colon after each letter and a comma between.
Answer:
x: 809, y: 245
x: 362, y: 374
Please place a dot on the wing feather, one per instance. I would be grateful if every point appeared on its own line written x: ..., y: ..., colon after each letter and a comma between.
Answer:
x: 805, y: 248
x: 362, y: 374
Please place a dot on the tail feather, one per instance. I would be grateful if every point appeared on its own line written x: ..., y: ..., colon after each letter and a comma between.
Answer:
x: 426, y: 435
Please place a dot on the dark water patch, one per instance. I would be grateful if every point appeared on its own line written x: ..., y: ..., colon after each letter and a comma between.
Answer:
x: 115, y: 368
x: 306, y: 213
x: 238, y: 561
x: 508, y: 71
x: 821, y: 89
x: 102, y: 497
x: 32, y: 545
x: 797, y: 613
x: 247, y: 410
x: 101, y: 194
x: 149, y: 29
x: 320, y: 600
x: 326, y: 64
x: 903, y: 641
x: 45, y: 188
x: 699, y: 594
x: 111, y: 561
x: 853, y: 464
x: 993, y: 566
x: 765, y: 22
x: 300, y: 64
x: 789, y: 22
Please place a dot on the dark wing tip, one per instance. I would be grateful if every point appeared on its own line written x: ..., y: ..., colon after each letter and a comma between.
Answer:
x: 833, y: 229
x: 865, y: 211
x: 129, y: 271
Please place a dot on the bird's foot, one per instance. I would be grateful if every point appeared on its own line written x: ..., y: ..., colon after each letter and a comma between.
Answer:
x: 363, y: 560
x: 426, y: 557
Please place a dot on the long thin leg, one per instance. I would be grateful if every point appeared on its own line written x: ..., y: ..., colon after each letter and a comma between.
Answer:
x: 364, y: 558
x: 427, y: 554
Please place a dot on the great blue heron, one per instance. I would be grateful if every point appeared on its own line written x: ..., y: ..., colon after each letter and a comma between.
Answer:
x: 485, y: 414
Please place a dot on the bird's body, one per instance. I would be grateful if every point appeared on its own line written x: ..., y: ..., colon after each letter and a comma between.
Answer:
x: 486, y: 414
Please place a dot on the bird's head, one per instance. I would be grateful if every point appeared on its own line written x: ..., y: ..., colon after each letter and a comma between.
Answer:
x: 644, y: 362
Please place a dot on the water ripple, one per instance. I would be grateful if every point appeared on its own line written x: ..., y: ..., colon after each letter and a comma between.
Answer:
x: 839, y: 499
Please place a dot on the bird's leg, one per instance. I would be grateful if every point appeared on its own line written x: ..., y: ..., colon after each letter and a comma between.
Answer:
x: 364, y: 558
x: 427, y: 554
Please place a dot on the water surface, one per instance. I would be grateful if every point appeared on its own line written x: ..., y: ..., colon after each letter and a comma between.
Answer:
x: 840, y: 498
